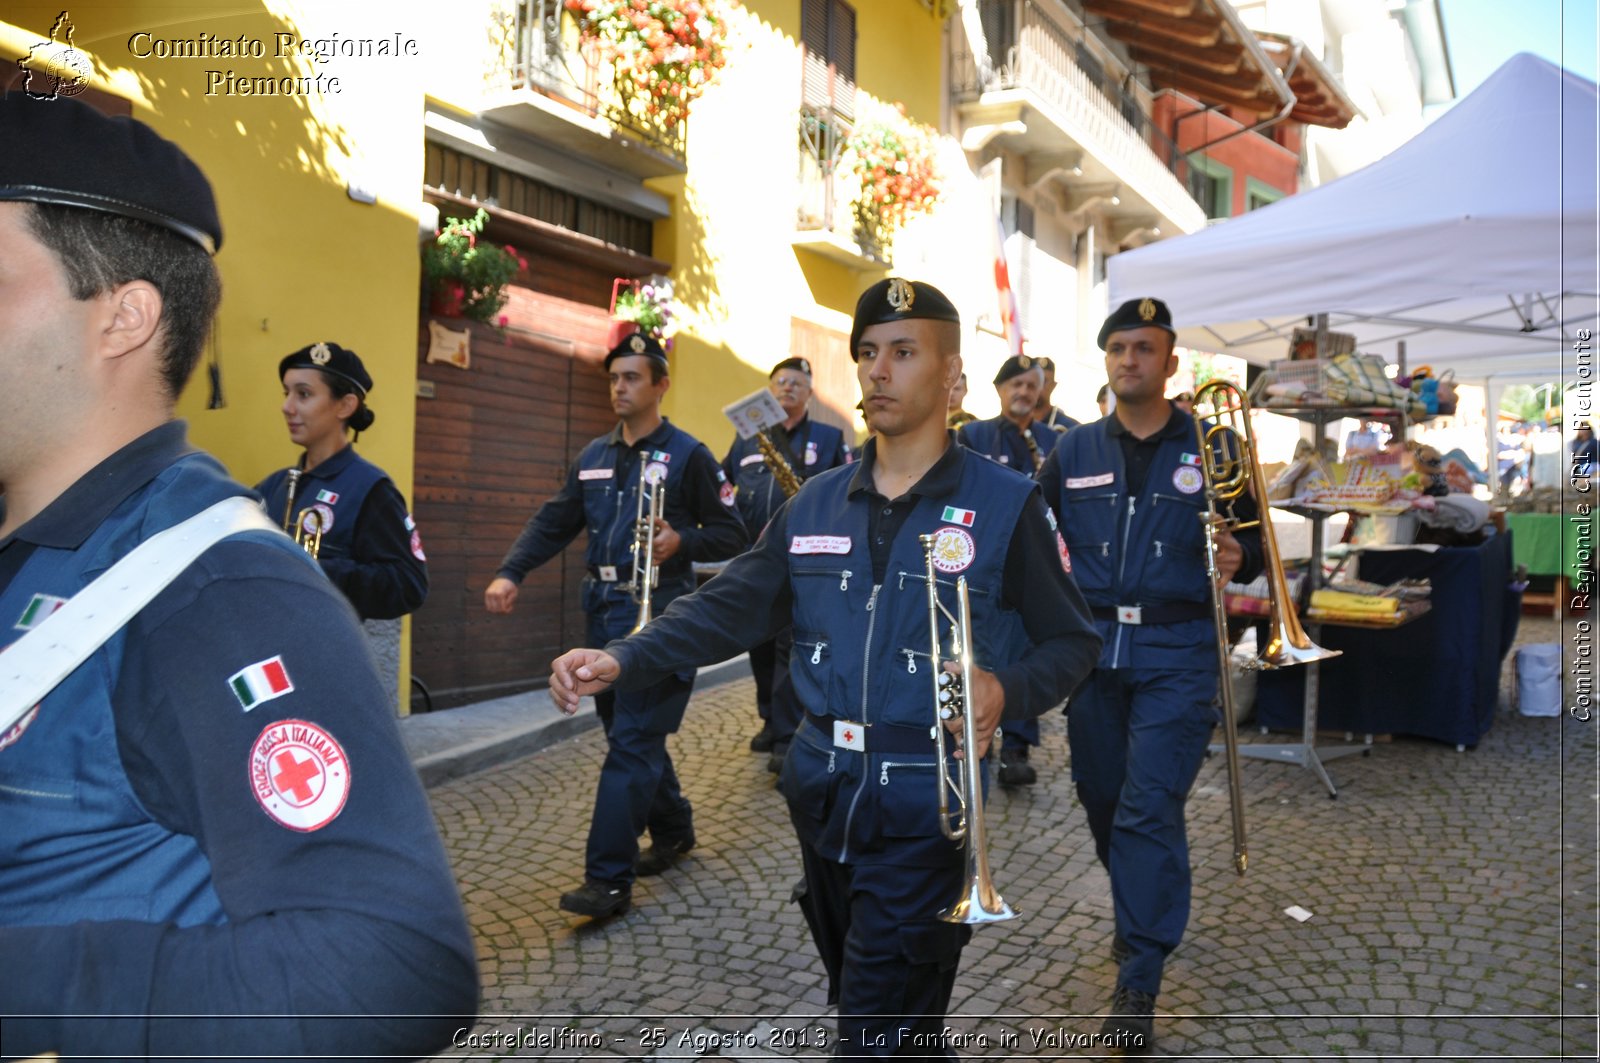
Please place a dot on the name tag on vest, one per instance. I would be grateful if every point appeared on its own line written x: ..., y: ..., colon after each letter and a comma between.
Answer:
x: 596, y: 474
x: 1091, y: 481
x: 749, y: 459
x: 819, y: 544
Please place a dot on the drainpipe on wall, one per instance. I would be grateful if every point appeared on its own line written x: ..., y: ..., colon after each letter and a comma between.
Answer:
x: 1272, y: 120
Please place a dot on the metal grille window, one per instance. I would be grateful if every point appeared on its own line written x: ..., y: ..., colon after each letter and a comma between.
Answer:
x: 828, y: 76
x: 451, y: 171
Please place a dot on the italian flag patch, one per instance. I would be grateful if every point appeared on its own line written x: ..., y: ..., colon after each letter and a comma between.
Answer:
x: 262, y: 681
x: 38, y: 610
x: 963, y: 517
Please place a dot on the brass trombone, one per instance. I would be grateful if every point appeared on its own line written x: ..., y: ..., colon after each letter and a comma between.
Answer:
x: 979, y: 902
x: 309, y: 539
x: 646, y: 573
x: 1230, y: 465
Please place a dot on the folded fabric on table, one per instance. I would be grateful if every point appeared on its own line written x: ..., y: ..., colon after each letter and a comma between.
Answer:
x: 1331, y: 601
x: 1456, y: 512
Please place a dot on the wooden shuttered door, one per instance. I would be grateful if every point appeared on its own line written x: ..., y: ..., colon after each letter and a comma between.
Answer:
x: 828, y: 76
x: 493, y: 445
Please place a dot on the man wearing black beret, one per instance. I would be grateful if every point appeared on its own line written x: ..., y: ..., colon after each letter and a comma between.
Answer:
x: 844, y: 561
x: 220, y: 786
x: 606, y: 493
x: 805, y: 447
x: 1128, y: 493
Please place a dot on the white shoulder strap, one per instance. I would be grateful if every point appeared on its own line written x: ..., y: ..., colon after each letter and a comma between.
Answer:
x: 36, y: 663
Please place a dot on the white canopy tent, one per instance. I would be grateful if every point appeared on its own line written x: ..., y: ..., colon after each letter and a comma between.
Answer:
x: 1474, y: 243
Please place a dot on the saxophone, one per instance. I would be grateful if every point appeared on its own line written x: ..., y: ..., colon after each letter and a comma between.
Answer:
x: 1033, y: 449
x: 782, y: 471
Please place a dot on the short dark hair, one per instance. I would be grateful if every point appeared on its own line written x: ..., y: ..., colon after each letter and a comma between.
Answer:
x: 100, y: 251
x: 1100, y: 396
x: 657, y: 369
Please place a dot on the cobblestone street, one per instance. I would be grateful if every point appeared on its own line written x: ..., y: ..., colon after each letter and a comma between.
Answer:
x: 1453, y: 901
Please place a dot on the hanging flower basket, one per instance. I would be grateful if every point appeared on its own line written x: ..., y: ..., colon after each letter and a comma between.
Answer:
x: 666, y: 51
x: 894, y: 159
x: 466, y: 276
x: 643, y: 306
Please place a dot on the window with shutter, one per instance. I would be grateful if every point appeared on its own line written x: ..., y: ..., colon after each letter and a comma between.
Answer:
x: 828, y: 78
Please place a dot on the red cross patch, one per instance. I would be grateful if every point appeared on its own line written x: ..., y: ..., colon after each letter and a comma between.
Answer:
x: 299, y: 774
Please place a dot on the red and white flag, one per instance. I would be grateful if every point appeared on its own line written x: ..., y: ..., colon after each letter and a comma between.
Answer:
x: 1010, y: 313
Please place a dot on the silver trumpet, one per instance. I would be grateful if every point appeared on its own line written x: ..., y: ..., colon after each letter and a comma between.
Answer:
x: 646, y: 573
x: 979, y: 902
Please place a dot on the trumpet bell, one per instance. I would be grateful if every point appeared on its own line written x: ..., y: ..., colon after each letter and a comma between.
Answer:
x: 982, y: 904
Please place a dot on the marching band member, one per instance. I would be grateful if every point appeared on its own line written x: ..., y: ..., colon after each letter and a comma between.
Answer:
x: 843, y: 563
x: 366, y: 541
x: 638, y: 788
x: 1017, y: 441
x: 213, y: 842
x: 1128, y: 491
x: 809, y: 447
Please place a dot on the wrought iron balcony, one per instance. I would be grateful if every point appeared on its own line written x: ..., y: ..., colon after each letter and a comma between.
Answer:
x: 1040, y: 57
x: 827, y: 220
x: 557, y: 77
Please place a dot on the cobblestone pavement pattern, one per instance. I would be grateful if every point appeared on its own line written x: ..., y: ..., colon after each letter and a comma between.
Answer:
x: 1453, y: 901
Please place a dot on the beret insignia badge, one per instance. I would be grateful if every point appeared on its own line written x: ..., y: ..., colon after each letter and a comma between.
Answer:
x: 1147, y: 310
x: 636, y: 344
x: 901, y: 295
x: 321, y: 355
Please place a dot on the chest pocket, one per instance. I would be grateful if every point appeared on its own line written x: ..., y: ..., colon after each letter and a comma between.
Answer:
x: 1089, y: 528
x: 1175, y: 568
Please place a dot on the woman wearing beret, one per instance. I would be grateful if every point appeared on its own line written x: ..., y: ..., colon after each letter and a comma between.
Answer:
x: 369, y: 546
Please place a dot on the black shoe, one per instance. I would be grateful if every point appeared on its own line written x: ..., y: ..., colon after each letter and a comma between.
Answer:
x: 780, y: 749
x: 597, y: 900
x: 1130, y: 1029
x: 661, y: 855
x: 1014, y: 767
x: 1119, y: 948
x: 762, y: 742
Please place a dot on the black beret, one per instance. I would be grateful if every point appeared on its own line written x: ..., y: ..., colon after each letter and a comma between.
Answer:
x: 896, y: 299
x: 799, y: 365
x: 638, y: 344
x: 1137, y: 313
x: 330, y: 358
x: 1016, y: 365
x: 64, y: 151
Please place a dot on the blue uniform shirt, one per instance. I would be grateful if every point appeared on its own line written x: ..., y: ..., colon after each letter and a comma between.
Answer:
x: 601, y: 495
x: 999, y: 440
x: 371, y: 548
x: 811, y: 447
x: 1138, y: 540
x: 251, y: 837
x: 834, y: 600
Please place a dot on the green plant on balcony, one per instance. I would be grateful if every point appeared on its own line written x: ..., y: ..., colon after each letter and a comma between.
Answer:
x: 665, y: 51
x: 648, y: 305
x: 894, y: 160
x: 466, y: 276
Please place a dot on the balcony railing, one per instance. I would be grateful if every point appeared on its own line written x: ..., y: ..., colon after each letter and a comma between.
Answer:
x: 827, y: 197
x: 1057, y: 59
x: 550, y: 59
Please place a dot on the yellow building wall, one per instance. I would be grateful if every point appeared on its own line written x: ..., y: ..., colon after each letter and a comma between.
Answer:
x: 735, y: 270
x: 301, y: 261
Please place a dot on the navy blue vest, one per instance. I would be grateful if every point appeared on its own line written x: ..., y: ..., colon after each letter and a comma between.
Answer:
x: 1144, y: 550
x: 999, y: 440
x: 335, y: 490
x: 862, y: 654
x: 813, y: 449
x: 78, y: 845
x: 609, y: 507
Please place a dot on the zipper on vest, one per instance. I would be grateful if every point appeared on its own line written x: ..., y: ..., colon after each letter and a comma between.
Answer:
x: 911, y: 662
x: 1122, y: 567
x: 866, y: 671
x: 1158, y: 547
x: 816, y: 653
x: 832, y: 755
x: 844, y: 579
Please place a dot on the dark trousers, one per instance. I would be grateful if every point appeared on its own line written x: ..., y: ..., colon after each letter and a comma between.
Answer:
x: 638, y: 788
x: 891, y: 963
x: 1016, y: 733
x: 776, y: 703
x: 1137, y: 740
